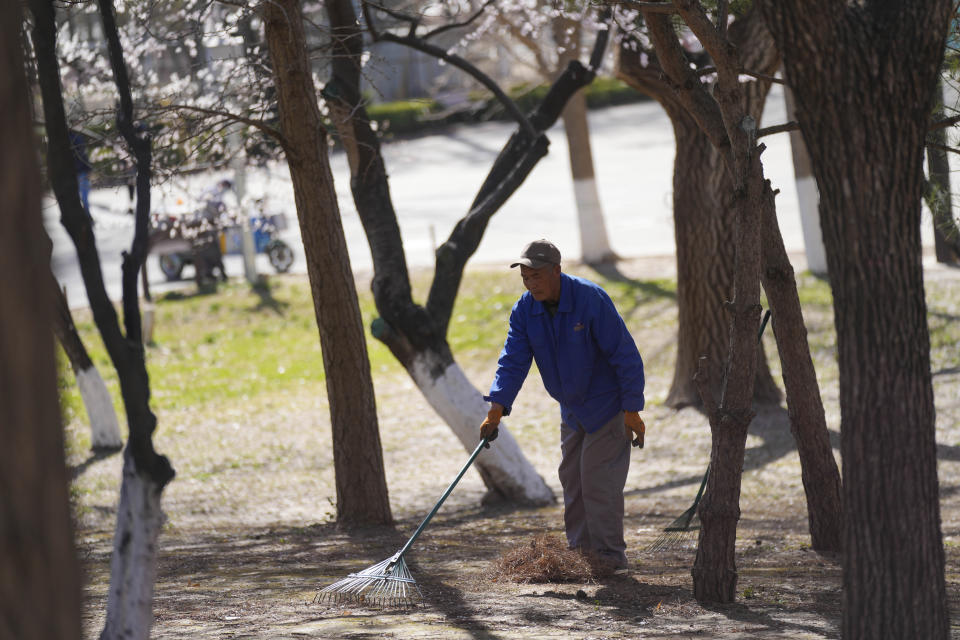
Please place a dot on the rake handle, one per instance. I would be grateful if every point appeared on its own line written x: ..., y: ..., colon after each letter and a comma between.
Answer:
x: 436, y: 507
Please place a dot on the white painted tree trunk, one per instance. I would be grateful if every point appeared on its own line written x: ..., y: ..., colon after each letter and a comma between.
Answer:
x: 104, y: 429
x: 503, y: 467
x: 147, y: 321
x: 133, y: 566
x: 594, y: 244
x: 808, y: 196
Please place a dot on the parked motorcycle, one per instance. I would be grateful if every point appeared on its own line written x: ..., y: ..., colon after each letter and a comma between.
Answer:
x: 203, y: 237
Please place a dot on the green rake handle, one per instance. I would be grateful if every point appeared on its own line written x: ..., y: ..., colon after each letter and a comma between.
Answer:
x: 436, y: 507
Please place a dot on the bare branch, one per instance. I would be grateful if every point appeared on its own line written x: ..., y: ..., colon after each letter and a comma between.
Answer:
x: 943, y: 124
x: 713, y: 40
x: 414, y: 42
x: 793, y: 125
x: 686, y: 85
x: 393, y: 13
x: 943, y: 147
x: 527, y: 41
x: 596, y: 58
x: 226, y: 115
x: 459, y: 25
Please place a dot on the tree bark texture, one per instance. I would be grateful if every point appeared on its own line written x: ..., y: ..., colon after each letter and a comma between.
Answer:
x: 866, y: 144
x: 704, y: 232
x: 808, y: 422
x: 39, y: 573
x: 104, y: 428
x: 714, y: 571
x: 358, y: 458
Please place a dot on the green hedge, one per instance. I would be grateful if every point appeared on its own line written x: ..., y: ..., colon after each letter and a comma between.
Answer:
x: 403, y: 116
x: 602, y: 92
x: 409, y: 116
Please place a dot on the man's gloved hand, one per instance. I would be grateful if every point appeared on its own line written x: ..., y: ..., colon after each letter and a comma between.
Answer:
x: 489, y: 429
x: 635, y: 427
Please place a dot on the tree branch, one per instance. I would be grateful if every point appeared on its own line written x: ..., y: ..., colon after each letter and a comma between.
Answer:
x: 942, y: 124
x: 793, y: 125
x: 943, y: 147
x: 511, y: 167
x: 458, y: 25
x: 686, y: 85
x: 713, y: 40
x: 414, y: 42
x: 527, y: 41
x: 722, y: 13
x: 600, y: 46
x: 226, y: 115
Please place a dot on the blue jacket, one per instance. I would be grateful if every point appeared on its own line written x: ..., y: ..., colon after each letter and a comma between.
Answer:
x: 587, y: 359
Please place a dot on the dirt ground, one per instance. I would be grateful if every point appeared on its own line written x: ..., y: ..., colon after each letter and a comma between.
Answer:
x: 250, y: 536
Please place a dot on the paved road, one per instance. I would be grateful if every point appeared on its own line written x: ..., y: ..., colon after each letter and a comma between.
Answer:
x: 433, y: 179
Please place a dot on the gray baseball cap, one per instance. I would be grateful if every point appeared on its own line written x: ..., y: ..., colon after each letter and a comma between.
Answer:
x: 537, y: 254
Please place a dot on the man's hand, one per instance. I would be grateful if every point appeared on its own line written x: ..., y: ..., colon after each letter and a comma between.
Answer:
x: 489, y: 429
x: 635, y: 427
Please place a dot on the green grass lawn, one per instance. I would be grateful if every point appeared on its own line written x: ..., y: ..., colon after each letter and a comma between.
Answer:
x: 237, y: 346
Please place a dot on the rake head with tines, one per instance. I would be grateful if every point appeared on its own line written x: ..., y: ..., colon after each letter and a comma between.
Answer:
x: 385, y: 584
x: 679, y: 532
x: 389, y: 583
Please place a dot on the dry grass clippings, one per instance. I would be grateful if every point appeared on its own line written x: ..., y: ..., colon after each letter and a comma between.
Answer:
x: 546, y: 558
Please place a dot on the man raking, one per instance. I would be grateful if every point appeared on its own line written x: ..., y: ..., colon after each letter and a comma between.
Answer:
x: 589, y: 363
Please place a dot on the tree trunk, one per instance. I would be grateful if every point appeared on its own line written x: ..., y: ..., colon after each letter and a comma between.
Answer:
x: 705, y: 240
x: 714, y: 571
x: 104, y: 428
x: 134, y: 560
x: 133, y: 566
x: 412, y: 334
x: 594, y: 242
x: 39, y: 573
x: 505, y: 471
x: 416, y: 334
x: 808, y: 422
x: 866, y: 143
x: 946, y: 236
x: 358, y: 458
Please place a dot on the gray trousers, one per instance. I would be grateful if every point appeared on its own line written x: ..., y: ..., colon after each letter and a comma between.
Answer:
x: 593, y: 472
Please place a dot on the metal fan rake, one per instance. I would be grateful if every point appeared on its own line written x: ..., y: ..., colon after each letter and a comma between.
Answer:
x: 388, y: 583
x: 678, y: 533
